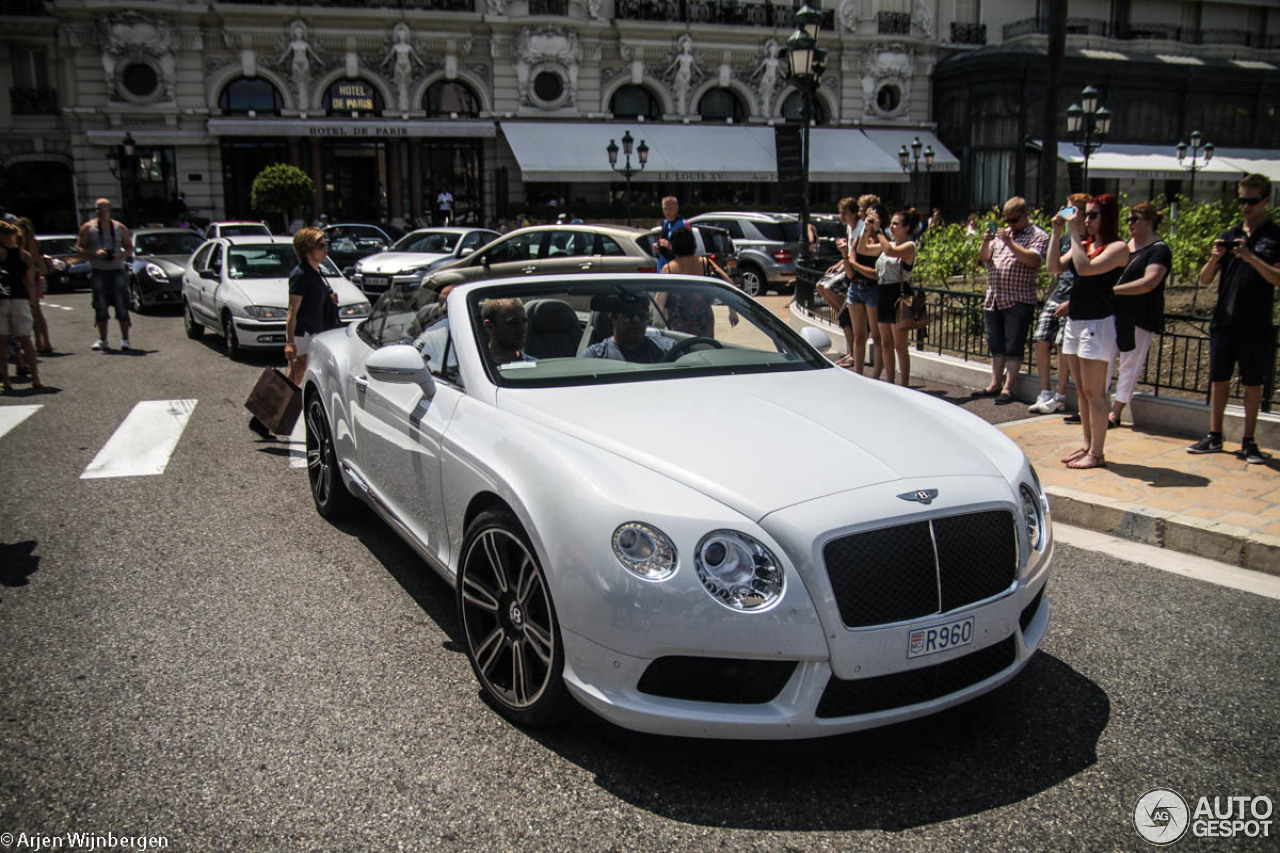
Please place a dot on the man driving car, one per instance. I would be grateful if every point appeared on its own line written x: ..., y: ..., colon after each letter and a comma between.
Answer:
x: 630, y: 316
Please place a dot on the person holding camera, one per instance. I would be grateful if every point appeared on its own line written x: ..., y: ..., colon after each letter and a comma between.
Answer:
x: 1246, y: 260
x: 106, y: 245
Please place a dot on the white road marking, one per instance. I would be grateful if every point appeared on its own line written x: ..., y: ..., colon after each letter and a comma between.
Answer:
x: 297, y: 445
x: 142, y: 444
x: 11, y: 416
x: 55, y: 305
x: 1174, y: 562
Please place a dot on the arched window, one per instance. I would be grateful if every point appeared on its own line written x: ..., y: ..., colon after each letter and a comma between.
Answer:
x: 721, y: 105
x: 793, y: 109
x: 635, y: 101
x: 446, y: 97
x: 347, y: 97
x: 250, y: 94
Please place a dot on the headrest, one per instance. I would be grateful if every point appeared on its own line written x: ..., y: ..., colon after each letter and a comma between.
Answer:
x: 621, y: 302
x: 552, y: 315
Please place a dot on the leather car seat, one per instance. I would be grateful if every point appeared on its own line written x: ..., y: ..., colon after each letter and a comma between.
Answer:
x: 554, y: 330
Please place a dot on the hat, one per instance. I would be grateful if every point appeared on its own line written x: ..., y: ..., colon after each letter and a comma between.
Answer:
x: 562, y: 217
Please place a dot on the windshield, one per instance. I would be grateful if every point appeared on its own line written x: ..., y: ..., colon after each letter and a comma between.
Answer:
x: 167, y: 244
x: 248, y: 229
x: 431, y: 242
x: 58, y: 245
x: 645, y: 329
x: 779, y: 232
x: 269, y: 260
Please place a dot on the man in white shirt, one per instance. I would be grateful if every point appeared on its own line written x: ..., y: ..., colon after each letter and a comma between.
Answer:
x: 444, y: 203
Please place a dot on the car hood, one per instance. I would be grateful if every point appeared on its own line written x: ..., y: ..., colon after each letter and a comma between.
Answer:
x: 168, y: 263
x: 762, y: 442
x: 275, y: 291
x: 391, y: 263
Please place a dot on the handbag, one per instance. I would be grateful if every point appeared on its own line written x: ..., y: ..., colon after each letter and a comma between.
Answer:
x: 275, y: 401
x: 331, y: 320
x: 837, y: 282
x: 913, y: 312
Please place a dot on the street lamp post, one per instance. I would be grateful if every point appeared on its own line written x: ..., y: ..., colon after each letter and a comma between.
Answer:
x: 122, y: 161
x: 642, y: 152
x: 1088, y: 125
x: 1195, y: 166
x: 911, y: 162
x: 806, y: 62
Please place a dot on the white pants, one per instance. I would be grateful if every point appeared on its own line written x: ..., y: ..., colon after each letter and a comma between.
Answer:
x: 1131, y: 364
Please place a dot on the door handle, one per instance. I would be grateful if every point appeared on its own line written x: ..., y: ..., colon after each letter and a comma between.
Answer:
x: 530, y: 268
x: 585, y: 265
x: 362, y: 382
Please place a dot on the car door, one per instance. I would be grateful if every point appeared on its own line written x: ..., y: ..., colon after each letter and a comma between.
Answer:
x: 209, y: 286
x: 611, y: 256
x: 567, y: 252
x: 398, y: 429
x: 191, y: 279
x: 516, y: 255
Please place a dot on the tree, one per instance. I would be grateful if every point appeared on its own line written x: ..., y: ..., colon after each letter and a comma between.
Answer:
x: 281, y: 188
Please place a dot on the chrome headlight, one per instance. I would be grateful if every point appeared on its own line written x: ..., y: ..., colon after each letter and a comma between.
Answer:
x: 645, y: 551
x: 738, y: 571
x: 156, y: 274
x: 1032, y: 517
x: 266, y: 312
x: 355, y: 309
x: 422, y: 270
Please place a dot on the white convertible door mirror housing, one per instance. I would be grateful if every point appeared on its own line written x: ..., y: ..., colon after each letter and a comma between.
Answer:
x: 403, y: 364
x: 817, y: 338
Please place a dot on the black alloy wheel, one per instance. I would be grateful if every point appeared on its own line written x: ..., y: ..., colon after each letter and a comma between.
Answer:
x: 509, y: 623
x: 328, y: 490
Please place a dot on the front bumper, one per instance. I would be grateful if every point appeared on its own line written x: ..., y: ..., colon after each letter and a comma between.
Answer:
x: 374, y: 285
x: 257, y: 334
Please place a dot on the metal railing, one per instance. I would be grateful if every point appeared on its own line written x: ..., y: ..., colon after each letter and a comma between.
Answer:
x: 1177, y: 364
x: 968, y: 33
x: 26, y: 8
x: 1130, y: 32
x: 726, y: 12
x: 893, y: 23
x: 549, y: 7
x: 407, y: 5
x: 33, y: 102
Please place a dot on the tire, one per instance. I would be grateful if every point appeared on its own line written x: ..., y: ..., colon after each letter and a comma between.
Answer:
x: 135, y: 297
x: 512, y: 639
x: 753, y: 282
x: 332, y: 499
x: 229, y: 339
x: 194, y: 330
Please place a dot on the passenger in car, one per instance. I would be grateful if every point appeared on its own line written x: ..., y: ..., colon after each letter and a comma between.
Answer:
x: 689, y: 311
x: 508, y: 325
x: 630, y: 341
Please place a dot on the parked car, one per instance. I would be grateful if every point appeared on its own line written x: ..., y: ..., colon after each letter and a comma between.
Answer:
x: 350, y: 241
x: 160, y: 259
x: 236, y: 228
x: 610, y: 540
x: 416, y: 254
x: 239, y: 286
x: 714, y: 243
x: 66, y: 270
x: 551, y: 249
x: 767, y: 244
x: 830, y: 228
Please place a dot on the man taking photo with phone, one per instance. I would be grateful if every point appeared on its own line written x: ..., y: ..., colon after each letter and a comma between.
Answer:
x: 106, y: 245
x: 1247, y: 258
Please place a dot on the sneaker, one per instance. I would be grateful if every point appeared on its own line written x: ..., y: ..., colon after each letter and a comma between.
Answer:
x: 1250, y: 453
x: 100, y: 345
x: 1211, y: 443
x: 124, y: 344
x: 1049, y: 404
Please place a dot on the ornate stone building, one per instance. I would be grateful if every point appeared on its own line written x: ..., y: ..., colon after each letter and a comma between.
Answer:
x: 509, y: 104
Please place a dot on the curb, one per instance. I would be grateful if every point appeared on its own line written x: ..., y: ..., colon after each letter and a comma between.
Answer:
x: 1222, y: 543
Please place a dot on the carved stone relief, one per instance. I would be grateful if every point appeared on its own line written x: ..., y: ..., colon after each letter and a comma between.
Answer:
x: 555, y: 48
x: 887, y: 73
x: 299, y: 57
x: 130, y: 38
x: 684, y: 72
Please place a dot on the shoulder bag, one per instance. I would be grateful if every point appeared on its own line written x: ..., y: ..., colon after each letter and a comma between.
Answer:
x: 913, y: 311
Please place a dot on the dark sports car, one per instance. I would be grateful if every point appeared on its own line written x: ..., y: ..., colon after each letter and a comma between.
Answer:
x: 160, y: 258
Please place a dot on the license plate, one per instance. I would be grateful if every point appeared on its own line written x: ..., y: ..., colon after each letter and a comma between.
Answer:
x: 922, y: 642
x: 376, y: 281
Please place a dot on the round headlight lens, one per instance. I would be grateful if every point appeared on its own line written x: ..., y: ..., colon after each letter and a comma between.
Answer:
x: 1031, y: 517
x: 738, y: 571
x: 644, y: 550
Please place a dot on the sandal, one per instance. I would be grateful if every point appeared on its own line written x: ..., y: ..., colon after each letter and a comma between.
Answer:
x: 1079, y: 464
x: 1112, y: 423
x: 846, y: 361
x: 1072, y: 457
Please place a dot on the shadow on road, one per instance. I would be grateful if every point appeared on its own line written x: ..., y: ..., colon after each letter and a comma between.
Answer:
x: 1007, y: 746
x: 1158, y: 477
x: 18, y: 562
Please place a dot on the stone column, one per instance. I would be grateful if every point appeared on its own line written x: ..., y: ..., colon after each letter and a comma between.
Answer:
x: 415, y: 176
x: 317, y: 175
x: 393, y: 154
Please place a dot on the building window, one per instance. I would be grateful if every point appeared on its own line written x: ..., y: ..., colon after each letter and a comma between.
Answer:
x: 30, y: 69
x: 140, y: 80
x: 635, y: 102
x: 793, y: 109
x: 548, y: 86
x: 721, y: 105
x: 888, y: 98
x: 152, y: 187
x: 247, y: 96
x: 353, y: 98
x: 447, y: 98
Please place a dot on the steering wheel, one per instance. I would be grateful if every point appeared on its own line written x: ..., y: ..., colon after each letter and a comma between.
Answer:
x: 688, y: 344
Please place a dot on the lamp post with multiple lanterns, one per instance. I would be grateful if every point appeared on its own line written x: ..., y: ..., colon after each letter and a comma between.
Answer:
x: 911, y: 162
x: 1195, y: 165
x: 806, y: 63
x: 642, y: 153
x: 1088, y: 125
x: 122, y: 161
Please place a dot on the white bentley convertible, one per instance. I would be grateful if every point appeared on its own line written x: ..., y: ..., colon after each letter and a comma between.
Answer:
x: 582, y: 458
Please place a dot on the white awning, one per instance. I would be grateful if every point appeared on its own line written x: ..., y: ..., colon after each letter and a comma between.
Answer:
x: 1264, y: 161
x: 1146, y: 162
x: 891, y: 141
x: 839, y: 154
x: 575, y: 151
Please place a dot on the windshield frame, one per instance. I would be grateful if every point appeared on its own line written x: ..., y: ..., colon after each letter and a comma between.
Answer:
x: 141, y: 239
x: 748, y: 309
x: 327, y: 267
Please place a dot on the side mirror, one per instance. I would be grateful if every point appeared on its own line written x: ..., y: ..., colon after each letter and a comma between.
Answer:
x: 212, y: 275
x: 816, y: 338
x: 467, y: 251
x: 403, y: 365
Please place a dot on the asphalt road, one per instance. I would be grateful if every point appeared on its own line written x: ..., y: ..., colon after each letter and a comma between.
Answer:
x: 197, y: 655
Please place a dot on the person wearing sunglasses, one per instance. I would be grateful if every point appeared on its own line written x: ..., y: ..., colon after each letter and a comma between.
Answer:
x: 1097, y: 258
x: 1139, y: 300
x: 1012, y: 255
x: 1246, y: 260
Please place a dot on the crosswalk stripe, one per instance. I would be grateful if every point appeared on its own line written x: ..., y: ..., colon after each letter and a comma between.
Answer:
x: 142, y: 444
x: 55, y: 305
x: 298, y: 445
x: 11, y: 416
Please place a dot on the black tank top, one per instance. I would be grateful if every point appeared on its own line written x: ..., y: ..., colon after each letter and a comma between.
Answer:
x: 1092, y: 296
x: 16, y: 271
x: 866, y: 261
